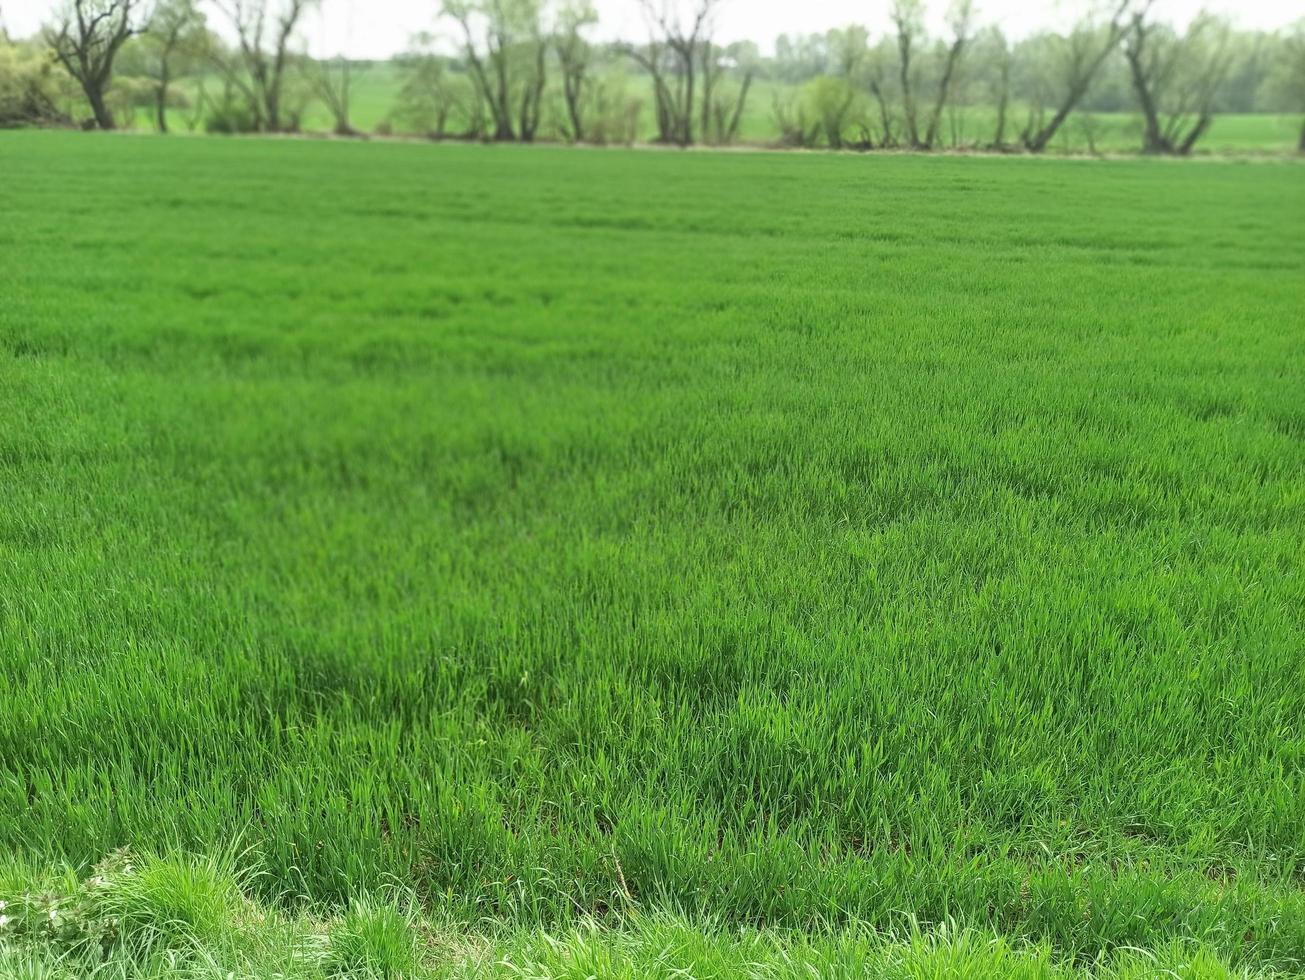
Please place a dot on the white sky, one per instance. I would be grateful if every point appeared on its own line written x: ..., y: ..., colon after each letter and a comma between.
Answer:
x: 378, y: 28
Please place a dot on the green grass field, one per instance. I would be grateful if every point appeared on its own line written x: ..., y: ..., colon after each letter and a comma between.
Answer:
x: 596, y: 562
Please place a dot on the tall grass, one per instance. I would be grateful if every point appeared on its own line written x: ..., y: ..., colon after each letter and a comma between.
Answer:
x: 116, y: 924
x: 783, y: 542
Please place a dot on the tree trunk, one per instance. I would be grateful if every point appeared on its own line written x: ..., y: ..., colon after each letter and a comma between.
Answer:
x: 572, y: 88
x: 342, y: 124
x: 1038, y: 141
x: 687, y: 139
x: 665, y: 117
x: 161, y: 102
x: 1079, y: 84
x: 95, y: 96
x: 949, y: 69
x: 908, y: 101
x: 1185, y: 147
x: 500, y: 105
x: 1152, y: 139
x: 737, y: 118
x: 885, y: 118
x: 577, y: 121
x: 708, y: 83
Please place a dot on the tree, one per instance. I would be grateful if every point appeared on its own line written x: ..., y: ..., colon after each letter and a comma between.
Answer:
x: 29, y: 86
x: 175, y: 41
x: 264, y: 31
x: 878, y: 74
x: 332, y: 82
x: 1176, y: 78
x: 960, y: 21
x: 908, y: 20
x: 722, y: 110
x: 505, y: 49
x: 1079, y: 57
x: 991, y: 54
x: 574, y: 56
x: 672, y: 58
x: 86, y: 39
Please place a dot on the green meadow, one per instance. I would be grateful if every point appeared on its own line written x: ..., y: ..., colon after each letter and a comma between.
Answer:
x: 455, y: 560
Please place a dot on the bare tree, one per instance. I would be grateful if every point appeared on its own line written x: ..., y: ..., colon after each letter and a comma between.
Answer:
x: 1176, y: 79
x: 654, y: 58
x: 960, y: 20
x: 574, y: 55
x: 1085, y: 51
x: 86, y: 38
x: 710, y: 63
x: 332, y: 82
x: 722, y: 109
x: 728, y: 120
x: 1001, y: 92
x: 506, y: 52
x: 176, y: 36
x: 878, y: 79
x: 531, y: 98
x: 908, y: 19
x: 264, y: 30
x: 988, y: 79
x: 672, y: 58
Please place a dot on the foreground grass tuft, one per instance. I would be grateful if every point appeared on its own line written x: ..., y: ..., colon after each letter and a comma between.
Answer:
x: 374, y: 939
x: 126, y: 921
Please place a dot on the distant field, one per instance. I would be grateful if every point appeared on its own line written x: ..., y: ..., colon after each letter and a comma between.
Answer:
x: 873, y: 563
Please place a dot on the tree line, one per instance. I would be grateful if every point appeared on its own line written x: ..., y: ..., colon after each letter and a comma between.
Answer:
x: 525, y: 70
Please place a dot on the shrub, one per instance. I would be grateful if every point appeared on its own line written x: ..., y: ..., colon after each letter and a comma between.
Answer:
x: 230, y: 117
x: 29, y: 88
x: 178, y: 903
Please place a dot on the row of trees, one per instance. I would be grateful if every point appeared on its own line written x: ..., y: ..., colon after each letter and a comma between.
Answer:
x: 519, y: 70
x: 90, y: 36
x: 905, y: 89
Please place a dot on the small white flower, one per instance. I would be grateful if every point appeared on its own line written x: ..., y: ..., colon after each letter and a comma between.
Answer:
x: 4, y: 921
x: 54, y: 913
